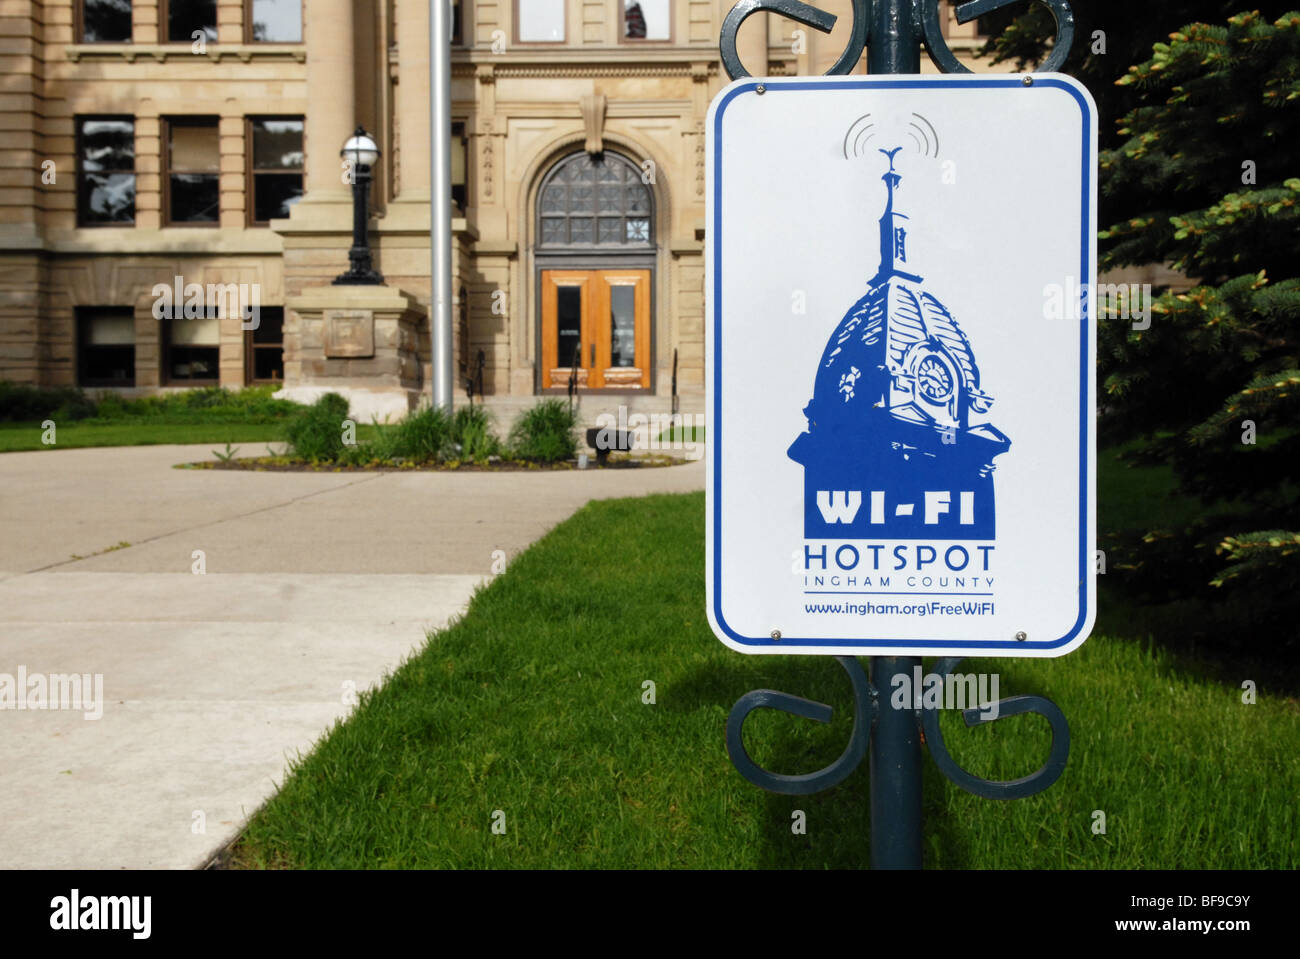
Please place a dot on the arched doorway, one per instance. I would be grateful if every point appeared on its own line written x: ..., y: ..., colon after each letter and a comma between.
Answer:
x: 595, y: 260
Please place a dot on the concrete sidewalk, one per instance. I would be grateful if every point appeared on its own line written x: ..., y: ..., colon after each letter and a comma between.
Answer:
x: 315, y: 585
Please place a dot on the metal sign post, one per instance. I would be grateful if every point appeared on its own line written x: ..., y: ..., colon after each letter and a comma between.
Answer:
x: 440, y: 203
x: 937, y: 372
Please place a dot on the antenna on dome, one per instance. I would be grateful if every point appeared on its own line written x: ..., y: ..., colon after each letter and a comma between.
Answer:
x: 893, y: 237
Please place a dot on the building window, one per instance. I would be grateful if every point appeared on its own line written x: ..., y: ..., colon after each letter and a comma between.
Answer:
x: 184, y: 18
x: 273, y: 21
x: 647, y: 19
x: 192, y: 174
x: 105, y: 171
x: 540, y: 21
x: 264, y: 347
x: 595, y: 202
x: 104, y: 21
x: 191, y: 349
x: 105, y: 346
x: 457, y: 22
x: 459, y: 166
x: 275, y: 165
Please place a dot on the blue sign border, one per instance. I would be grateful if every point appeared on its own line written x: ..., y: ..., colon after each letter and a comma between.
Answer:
x: 1085, y: 274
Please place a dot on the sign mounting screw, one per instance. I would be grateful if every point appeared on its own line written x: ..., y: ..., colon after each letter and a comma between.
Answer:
x: 1021, y: 636
x: 760, y: 89
x: 1028, y: 81
x: 776, y: 635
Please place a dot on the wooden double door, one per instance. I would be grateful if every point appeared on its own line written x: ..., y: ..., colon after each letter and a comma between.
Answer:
x: 597, y: 323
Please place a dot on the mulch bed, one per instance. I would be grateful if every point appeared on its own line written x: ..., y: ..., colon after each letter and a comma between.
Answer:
x: 282, y: 464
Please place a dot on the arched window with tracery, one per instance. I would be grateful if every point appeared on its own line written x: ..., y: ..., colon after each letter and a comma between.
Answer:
x: 595, y: 201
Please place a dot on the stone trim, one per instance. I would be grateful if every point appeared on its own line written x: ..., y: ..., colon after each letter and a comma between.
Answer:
x: 216, y: 52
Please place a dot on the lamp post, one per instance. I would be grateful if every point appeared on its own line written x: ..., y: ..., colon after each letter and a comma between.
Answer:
x: 361, y: 152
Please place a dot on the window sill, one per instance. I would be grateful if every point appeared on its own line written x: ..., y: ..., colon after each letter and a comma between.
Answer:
x: 161, y: 53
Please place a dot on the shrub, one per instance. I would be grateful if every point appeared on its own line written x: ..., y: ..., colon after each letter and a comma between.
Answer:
x: 20, y: 403
x: 77, y: 406
x: 545, y: 433
x: 471, y: 430
x: 112, y: 408
x: 210, y: 404
x: 380, y: 448
x: 430, y: 435
x: 317, y: 432
x: 424, y: 436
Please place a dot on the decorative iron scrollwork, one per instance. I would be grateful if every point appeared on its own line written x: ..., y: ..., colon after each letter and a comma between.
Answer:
x: 946, y: 60
x: 997, y: 789
x: 925, y: 11
x: 803, y: 13
x: 864, y: 705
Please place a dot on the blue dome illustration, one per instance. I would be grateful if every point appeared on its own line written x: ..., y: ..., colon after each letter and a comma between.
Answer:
x: 890, y: 450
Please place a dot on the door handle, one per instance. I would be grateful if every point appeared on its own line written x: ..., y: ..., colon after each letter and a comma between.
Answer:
x: 593, y: 356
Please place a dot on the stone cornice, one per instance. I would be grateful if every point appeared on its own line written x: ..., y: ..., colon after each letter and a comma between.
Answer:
x: 161, y: 53
x: 488, y: 67
x: 620, y: 110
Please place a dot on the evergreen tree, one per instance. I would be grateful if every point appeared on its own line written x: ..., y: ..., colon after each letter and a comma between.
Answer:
x: 1202, y: 172
x: 1109, y: 35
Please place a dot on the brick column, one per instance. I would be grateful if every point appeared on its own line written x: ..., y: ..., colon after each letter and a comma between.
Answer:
x: 148, y: 344
x: 148, y: 166
x: 331, y: 88
x: 144, y: 22
x: 23, y: 181
x: 413, y: 97
x: 233, y: 200
x: 230, y: 21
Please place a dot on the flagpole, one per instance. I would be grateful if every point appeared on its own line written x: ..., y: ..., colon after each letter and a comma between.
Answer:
x: 440, y: 201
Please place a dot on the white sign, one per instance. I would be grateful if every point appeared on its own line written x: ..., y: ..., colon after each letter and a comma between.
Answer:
x: 900, y: 365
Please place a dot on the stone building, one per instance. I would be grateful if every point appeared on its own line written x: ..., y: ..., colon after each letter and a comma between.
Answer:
x: 172, y: 168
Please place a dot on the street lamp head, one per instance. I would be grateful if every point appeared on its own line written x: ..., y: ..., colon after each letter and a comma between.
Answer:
x: 361, y: 149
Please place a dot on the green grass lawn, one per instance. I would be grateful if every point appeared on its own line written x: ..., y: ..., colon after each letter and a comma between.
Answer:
x: 532, y: 705
x: 205, y: 415
x: 254, y: 436
x: 27, y: 436
x: 683, y: 433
